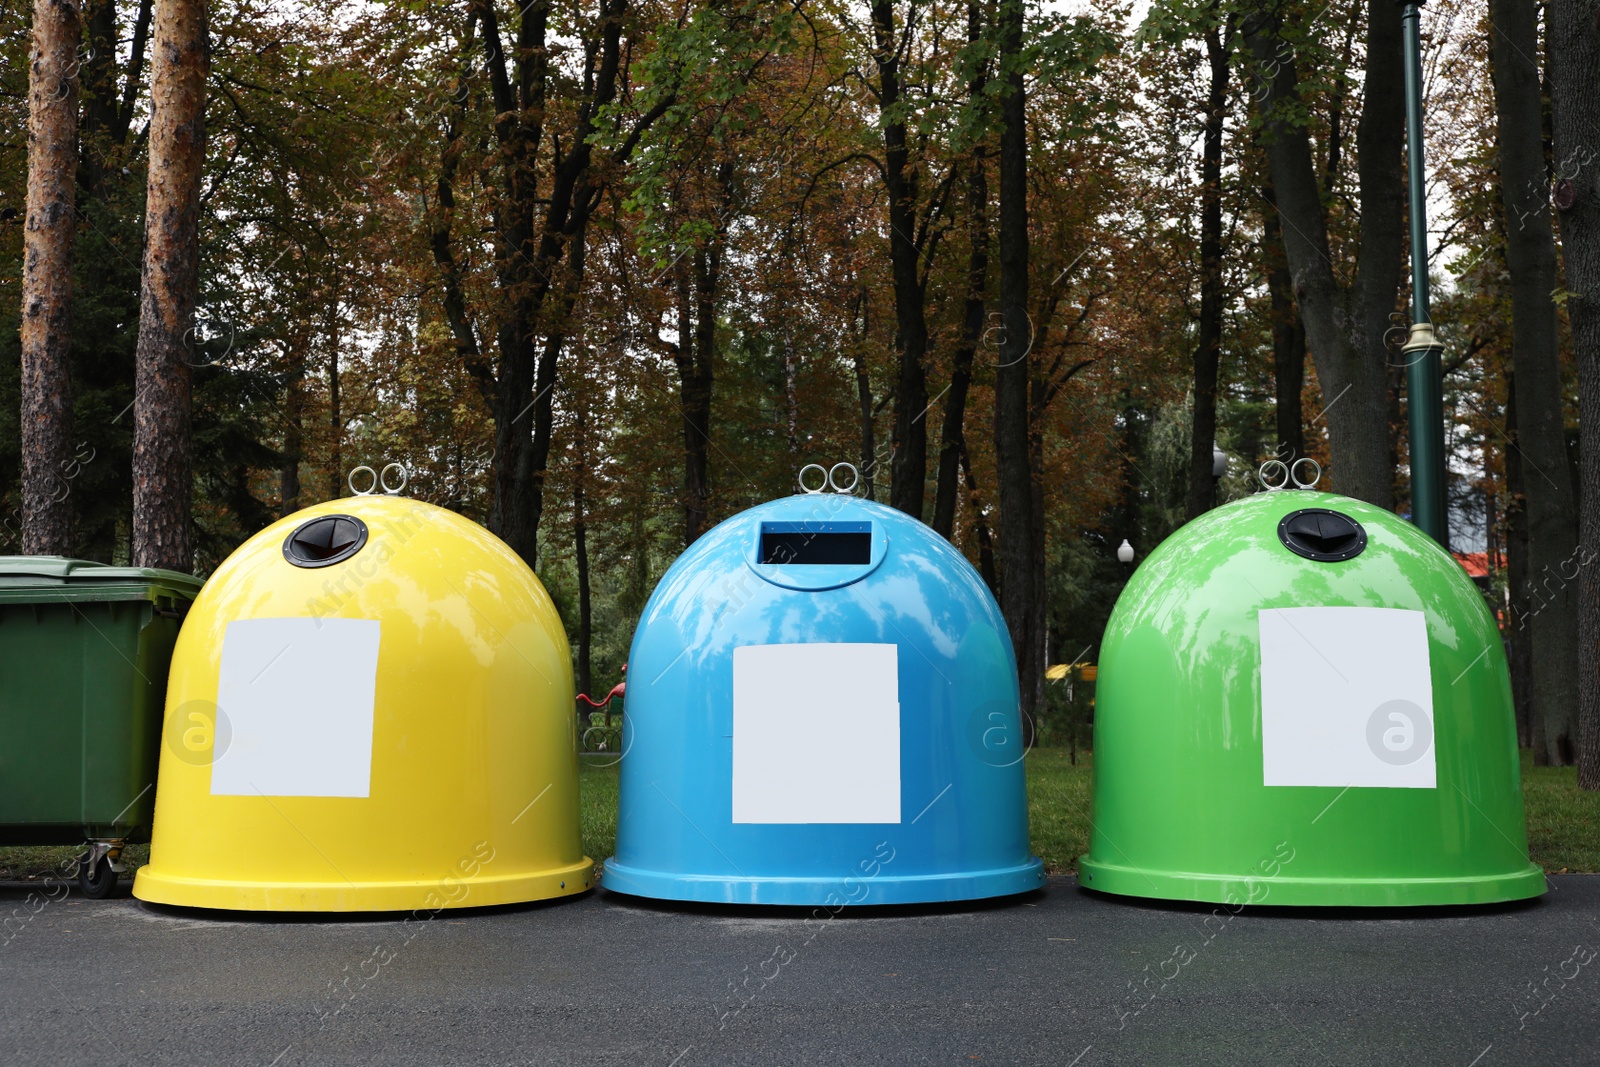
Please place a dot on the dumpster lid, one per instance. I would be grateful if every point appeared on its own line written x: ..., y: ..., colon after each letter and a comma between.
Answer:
x: 29, y: 578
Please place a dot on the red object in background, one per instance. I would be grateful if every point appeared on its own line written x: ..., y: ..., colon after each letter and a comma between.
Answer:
x: 1476, y: 564
x: 618, y: 690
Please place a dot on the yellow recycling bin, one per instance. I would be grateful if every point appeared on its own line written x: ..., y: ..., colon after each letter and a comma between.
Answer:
x: 370, y: 709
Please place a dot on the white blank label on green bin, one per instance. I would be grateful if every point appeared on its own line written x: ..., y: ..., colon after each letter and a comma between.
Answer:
x: 1346, y: 698
x: 299, y: 696
x: 816, y: 733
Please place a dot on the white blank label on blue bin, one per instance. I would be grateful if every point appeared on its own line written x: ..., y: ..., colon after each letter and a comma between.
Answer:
x: 299, y: 695
x: 1346, y: 698
x: 816, y: 734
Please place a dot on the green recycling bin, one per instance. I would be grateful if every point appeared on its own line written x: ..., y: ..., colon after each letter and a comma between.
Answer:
x: 1304, y: 700
x: 84, y: 649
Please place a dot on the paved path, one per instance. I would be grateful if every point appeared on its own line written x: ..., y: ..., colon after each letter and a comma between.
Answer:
x: 1060, y: 977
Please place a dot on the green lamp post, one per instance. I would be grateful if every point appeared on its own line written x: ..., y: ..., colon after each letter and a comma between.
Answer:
x: 1424, y: 388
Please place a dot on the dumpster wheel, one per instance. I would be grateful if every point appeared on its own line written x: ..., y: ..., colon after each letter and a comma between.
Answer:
x: 98, y: 870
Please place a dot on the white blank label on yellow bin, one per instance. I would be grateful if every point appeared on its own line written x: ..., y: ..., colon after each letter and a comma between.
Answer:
x: 299, y: 696
x: 1346, y: 698
x: 816, y: 734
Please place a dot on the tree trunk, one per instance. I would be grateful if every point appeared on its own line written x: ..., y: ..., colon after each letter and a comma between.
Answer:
x: 1521, y: 656
x: 696, y: 359
x: 531, y: 501
x: 107, y: 106
x: 869, y: 446
x: 46, y: 415
x: 1574, y: 44
x: 952, y: 435
x: 1288, y: 336
x: 580, y: 544
x: 980, y: 524
x: 169, y: 287
x: 1038, y: 631
x: 696, y: 335
x: 336, y: 475
x: 294, y: 402
x: 1208, y: 347
x: 1020, y: 584
x: 908, y: 467
x: 1345, y: 327
x: 99, y: 93
x: 791, y: 394
x: 1541, y: 426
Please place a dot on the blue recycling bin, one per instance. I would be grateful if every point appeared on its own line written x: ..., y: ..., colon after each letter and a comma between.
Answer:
x: 822, y: 710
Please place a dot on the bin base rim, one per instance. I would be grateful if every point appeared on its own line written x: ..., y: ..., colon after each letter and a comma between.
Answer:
x: 155, y: 887
x: 1122, y: 880
x: 819, y: 891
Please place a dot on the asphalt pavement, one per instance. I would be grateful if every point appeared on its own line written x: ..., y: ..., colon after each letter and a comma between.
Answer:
x: 1059, y: 977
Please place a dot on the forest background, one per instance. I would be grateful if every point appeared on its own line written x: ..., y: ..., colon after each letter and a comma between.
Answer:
x: 601, y: 275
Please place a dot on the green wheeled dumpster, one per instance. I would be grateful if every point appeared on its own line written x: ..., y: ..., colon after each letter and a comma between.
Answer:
x: 84, y: 649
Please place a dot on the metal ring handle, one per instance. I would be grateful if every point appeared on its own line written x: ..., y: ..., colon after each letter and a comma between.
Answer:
x: 1315, y: 478
x: 383, y: 478
x: 820, y: 469
x: 1267, y: 466
x: 855, y: 478
x: 370, y: 489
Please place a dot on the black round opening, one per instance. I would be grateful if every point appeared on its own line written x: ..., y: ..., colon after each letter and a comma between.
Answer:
x: 1323, y: 535
x: 325, y: 540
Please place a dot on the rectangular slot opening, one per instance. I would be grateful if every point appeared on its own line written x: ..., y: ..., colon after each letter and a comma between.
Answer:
x: 796, y: 544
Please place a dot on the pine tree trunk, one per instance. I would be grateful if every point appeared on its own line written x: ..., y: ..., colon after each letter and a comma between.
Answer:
x: 1020, y: 585
x: 1541, y: 426
x: 46, y: 423
x: 169, y: 287
x: 1574, y: 40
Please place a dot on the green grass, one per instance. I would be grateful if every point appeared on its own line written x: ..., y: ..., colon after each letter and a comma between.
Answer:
x: 1058, y: 806
x: 597, y: 809
x: 1563, y: 821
